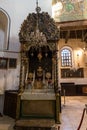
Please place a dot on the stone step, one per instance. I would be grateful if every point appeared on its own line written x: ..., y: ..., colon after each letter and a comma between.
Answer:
x: 36, y: 124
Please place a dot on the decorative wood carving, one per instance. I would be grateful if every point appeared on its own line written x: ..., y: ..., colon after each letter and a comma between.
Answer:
x: 45, y: 24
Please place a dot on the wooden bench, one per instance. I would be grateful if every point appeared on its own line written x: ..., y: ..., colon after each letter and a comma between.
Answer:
x: 36, y: 124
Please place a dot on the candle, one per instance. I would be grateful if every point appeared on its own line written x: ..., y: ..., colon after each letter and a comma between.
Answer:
x: 44, y: 76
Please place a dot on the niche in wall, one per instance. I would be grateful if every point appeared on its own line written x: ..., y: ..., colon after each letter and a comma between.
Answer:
x: 4, y: 29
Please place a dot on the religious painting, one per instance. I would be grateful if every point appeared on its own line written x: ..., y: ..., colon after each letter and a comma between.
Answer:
x: 69, y: 10
x: 12, y: 63
x: 3, y: 63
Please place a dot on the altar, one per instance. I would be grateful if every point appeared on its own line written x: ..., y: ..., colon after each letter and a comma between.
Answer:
x: 39, y: 96
x: 39, y: 104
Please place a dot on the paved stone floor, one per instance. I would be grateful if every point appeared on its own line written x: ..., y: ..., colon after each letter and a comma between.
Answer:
x: 72, y: 110
x: 72, y: 113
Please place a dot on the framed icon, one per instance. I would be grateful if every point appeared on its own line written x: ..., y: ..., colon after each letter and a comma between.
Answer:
x: 3, y: 63
x: 12, y: 63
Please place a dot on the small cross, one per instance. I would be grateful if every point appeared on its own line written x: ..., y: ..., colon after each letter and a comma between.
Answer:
x: 38, y: 9
x: 37, y: 3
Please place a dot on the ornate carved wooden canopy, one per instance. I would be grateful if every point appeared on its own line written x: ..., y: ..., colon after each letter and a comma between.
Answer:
x: 46, y: 25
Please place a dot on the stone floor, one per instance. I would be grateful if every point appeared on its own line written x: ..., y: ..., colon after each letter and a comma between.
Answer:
x: 72, y: 109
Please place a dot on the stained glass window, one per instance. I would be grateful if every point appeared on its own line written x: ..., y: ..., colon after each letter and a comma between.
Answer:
x: 66, y: 58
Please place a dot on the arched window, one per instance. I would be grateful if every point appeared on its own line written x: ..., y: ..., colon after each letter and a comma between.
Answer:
x: 4, y: 29
x: 66, y: 57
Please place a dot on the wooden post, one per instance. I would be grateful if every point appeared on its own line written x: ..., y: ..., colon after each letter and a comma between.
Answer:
x: 57, y: 108
x: 58, y: 98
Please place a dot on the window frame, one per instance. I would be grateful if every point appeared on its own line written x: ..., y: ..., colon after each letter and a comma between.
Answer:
x: 66, y: 59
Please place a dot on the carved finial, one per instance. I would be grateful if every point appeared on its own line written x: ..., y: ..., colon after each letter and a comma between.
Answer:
x: 37, y: 3
x: 38, y: 9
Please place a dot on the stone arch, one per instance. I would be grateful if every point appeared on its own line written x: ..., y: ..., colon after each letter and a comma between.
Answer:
x: 4, y: 29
